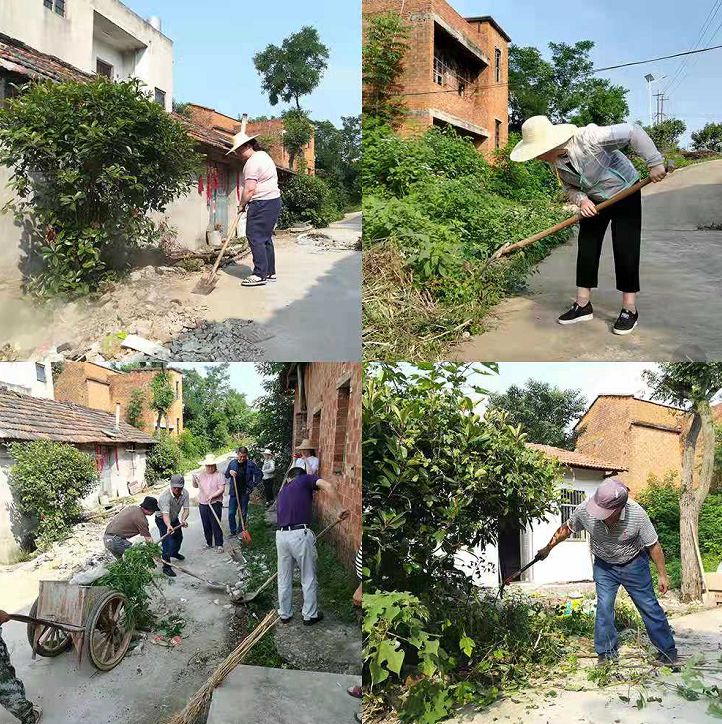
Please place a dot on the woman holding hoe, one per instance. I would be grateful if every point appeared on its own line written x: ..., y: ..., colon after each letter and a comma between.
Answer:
x: 592, y: 168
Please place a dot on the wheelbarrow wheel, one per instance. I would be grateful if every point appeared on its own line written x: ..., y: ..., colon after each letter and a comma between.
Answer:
x: 107, y: 635
x: 51, y: 641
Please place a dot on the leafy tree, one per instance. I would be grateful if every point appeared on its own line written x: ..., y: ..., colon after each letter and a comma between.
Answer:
x: 162, y: 395
x: 48, y: 481
x: 691, y: 385
x: 164, y: 459
x: 544, y: 412
x: 562, y: 88
x: 385, y: 46
x: 90, y: 161
x: 273, y: 426
x: 297, y: 132
x: 293, y: 70
x: 439, y: 478
x: 309, y: 198
x: 338, y: 153
x: 134, y: 413
x: 708, y: 138
x: 666, y: 134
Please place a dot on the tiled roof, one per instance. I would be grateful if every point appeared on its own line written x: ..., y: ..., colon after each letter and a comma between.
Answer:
x: 204, y: 135
x: 30, y: 418
x: 575, y: 459
x: 20, y: 58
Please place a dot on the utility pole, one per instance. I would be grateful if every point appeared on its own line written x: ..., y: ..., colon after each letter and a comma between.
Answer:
x: 661, y: 98
x: 651, y: 79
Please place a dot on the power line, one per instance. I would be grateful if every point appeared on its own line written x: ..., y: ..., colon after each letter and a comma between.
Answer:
x: 653, y: 60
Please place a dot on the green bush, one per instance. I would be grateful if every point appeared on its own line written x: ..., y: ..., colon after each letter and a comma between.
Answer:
x: 90, y: 160
x: 164, y: 459
x: 48, y: 481
x: 309, y: 198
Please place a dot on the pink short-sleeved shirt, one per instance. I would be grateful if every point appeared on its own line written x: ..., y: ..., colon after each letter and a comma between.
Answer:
x: 210, y: 485
x: 261, y: 168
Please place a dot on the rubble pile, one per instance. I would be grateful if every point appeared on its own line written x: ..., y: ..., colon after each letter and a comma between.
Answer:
x: 230, y: 340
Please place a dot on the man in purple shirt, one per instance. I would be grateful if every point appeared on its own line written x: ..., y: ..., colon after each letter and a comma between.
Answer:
x: 296, y: 542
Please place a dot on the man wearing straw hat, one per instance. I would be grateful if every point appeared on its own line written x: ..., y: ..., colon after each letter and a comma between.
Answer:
x: 262, y: 200
x: 623, y: 540
x: 211, y: 485
x: 592, y: 168
x: 308, y: 456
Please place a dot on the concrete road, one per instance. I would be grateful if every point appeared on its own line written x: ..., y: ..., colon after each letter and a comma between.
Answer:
x: 697, y: 632
x: 350, y: 221
x: 144, y: 688
x: 680, y: 305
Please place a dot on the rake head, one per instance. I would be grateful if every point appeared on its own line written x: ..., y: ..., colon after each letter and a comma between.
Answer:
x: 246, y: 537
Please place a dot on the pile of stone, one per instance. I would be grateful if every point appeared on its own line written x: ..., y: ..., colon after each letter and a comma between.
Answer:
x: 230, y: 340
x: 334, y: 239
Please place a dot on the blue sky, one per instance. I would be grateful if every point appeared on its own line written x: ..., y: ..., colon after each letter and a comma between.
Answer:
x: 625, y: 31
x: 244, y: 377
x: 215, y: 41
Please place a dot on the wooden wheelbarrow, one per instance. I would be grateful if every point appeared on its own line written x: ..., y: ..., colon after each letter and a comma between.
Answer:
x: 92, y: 619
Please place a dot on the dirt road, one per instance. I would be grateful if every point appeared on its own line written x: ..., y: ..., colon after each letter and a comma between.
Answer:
x: 680, y: 305
x: 552, y: 702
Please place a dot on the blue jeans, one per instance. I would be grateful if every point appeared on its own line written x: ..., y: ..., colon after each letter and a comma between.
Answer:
x: 262, y: 217
x: 233, y: 511
x: 171, y: 545
x: 636, y: 579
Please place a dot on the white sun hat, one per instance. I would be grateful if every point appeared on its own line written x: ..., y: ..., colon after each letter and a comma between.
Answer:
x: 240, y: 139
x: 208, y: 460
x: 539, y: 135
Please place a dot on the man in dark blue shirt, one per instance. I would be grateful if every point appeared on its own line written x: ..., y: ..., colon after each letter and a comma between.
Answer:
x: 296, y: 542
x: 242, y: 475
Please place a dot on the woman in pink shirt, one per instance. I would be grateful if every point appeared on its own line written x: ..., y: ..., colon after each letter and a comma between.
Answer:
x: 211, y: 485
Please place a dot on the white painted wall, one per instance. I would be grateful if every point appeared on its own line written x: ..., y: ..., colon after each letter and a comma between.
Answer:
x: 77, y: 40
x: 130, y: 468
x: 569, y: 561
x: 23, y: 377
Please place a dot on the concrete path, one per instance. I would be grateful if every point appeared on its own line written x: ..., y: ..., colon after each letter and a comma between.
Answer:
x: 680, y: 305
x: 146, y: 687
x: 551, y: 702
x: 281, y: 696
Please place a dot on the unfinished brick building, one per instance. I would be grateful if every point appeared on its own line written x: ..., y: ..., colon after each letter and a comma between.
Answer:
x: 327, y: 410
x: 270, y: 133
x: 101, y: 388
x: 646, y: 437
x: 455, y: 71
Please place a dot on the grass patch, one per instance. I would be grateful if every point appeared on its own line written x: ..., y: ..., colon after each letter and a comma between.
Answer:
x: 336, y: 584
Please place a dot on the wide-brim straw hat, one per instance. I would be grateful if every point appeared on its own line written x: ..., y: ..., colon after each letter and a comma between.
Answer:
x: 539, y: 135
x: 208, y: 460
x: 240, y: 139
x: 267, y: 452
x: 305, y: 445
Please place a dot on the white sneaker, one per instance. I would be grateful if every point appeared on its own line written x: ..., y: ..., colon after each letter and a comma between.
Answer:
x: 253, y: 281
x: 272, y: 278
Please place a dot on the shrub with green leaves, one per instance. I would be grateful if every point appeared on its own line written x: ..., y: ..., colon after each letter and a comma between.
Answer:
x: 164, y: 459
x: 90, y: 161
x: 48, y: 481
x: 309, y: 198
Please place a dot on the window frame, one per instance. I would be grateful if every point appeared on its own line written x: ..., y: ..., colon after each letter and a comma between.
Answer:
x: 497, y: 64
x: 59, y: 7
x: 158, y: 92
x: 40, y: 373
x: 570, y: 499
x: 339, y: 461
x: 111, y: 68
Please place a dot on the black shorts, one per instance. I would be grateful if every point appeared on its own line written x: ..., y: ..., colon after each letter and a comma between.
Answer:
x: 626, y: 218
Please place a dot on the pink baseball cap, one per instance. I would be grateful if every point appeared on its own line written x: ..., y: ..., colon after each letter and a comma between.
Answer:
x: 609, y: 497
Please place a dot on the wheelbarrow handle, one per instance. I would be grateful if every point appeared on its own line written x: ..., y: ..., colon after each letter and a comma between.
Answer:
x: 44, y: 622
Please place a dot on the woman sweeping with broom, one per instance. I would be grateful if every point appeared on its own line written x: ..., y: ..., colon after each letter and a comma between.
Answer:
x: 592, y: 168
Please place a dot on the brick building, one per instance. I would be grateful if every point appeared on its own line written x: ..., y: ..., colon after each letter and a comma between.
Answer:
x: 270, y: 133
x: 645, y: 437
x: 101, y: 388
x: 455, y: 71
x: 327, y: 410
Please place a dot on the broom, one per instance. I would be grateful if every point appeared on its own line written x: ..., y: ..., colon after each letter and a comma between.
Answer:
x: 198, y: 703
x: 245, y: 534
x: 207, y: 283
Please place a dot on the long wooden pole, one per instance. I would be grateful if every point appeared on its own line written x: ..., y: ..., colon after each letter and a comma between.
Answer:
x: 508, y: 248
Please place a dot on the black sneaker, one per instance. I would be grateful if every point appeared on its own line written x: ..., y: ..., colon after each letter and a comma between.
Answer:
x: 168, y: 571
x: 315, y: 619
x: 286, y: 620
x: 604, y: 659
x: 626, y: 322
x: 179, y: 557
x: 577, y: 314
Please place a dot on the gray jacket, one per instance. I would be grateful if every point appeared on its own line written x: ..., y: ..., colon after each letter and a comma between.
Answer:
x: 598, y: 169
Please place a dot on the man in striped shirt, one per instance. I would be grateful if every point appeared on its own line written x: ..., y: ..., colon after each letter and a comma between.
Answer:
x: 623, y: 540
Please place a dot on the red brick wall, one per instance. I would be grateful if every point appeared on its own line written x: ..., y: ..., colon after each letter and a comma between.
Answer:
x: 481, y: 105
x: 321, y: 382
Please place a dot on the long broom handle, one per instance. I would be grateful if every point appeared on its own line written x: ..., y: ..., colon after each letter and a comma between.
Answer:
x: 238, y: 500
x: 44, y: 622
x: 231, y: 232
x: 504, y: 250
x: 273, y: 577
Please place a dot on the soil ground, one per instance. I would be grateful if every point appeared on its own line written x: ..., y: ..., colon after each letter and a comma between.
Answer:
x: 679, y: 304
